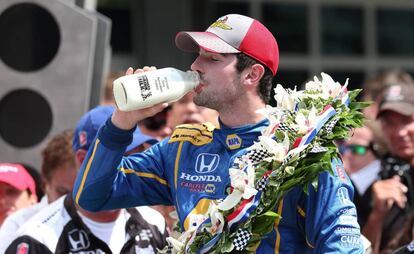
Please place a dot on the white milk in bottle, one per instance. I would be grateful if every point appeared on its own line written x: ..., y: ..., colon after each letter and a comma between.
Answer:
x: 145, y: 89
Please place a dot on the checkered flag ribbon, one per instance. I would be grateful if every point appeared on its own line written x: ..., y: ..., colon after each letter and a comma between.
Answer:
x: 261, y: 184
x: 241, y: 239
x: 285, y: 127
x: 257, y: 155
x: 287, y: 159
x: 167, y: 249
x: 318, y: 149
x: 331, y: 124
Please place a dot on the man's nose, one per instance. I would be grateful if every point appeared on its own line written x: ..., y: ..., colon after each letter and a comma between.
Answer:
x: 196, y: 65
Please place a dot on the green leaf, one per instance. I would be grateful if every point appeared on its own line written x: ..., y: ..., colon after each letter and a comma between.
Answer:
x: 272, y: 214
x: 290, y: 170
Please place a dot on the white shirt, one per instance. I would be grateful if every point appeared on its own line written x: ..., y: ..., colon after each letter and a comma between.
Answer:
x: 47, y: 225
x: 10, y: 226
x: 364, y: 177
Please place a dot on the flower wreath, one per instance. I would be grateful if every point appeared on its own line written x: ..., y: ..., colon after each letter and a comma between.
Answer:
x: 292, y: 151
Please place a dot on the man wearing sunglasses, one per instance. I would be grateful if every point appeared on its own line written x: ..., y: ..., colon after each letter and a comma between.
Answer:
x: 392, y: 197
x: 362, y: 166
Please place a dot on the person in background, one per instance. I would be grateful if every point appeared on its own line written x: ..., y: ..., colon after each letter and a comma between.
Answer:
x: 17, y: 189
x: 393, y: 194
x: 185, y: 111
x: 374, y: 86
x: 63, y: 227
x: 35, y: 173
x: 237, y: 59
x: 58, y: 172
x: 156, y: 125
x: 108, y: 95
x: 363, y: 168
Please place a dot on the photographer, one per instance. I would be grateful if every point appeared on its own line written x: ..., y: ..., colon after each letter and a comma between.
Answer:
x: 392, y: 196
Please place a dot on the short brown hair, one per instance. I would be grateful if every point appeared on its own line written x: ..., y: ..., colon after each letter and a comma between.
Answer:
x: 57, y: 152
x: 374, y: 86
x: 265, y: 86
x: 108, y: 96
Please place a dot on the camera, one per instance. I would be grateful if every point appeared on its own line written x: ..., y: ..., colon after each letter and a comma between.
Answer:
x: 391, y: 166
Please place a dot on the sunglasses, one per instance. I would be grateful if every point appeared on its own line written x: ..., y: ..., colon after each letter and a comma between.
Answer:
x: 354, y: 149
x: 154, y: 123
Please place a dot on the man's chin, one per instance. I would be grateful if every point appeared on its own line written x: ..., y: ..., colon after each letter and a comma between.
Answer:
x: 193, y: 120
x: 405, y: 153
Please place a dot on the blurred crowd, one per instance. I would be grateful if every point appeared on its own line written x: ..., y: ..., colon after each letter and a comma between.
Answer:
x: 379, y: 159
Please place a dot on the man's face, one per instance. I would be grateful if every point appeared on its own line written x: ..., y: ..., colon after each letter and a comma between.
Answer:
x: 220, y: 82
x: 356, y: 153
x: 399, y: 133
x: 61, y: 182
x: 12, y: 199
x: 156, y: 126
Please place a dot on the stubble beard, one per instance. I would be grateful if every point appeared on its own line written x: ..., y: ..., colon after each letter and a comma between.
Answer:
x: 206, y: 99
x: 218, y: 100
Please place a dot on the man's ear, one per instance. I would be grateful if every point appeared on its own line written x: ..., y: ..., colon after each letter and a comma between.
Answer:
x: 254, y: 74
x: 80, y: 156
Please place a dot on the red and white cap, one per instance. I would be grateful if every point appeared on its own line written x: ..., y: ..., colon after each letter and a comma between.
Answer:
x: 17, y: 176
x: 234, y: 33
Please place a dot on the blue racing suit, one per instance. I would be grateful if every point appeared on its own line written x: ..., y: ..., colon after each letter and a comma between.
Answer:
x: 190, y: 169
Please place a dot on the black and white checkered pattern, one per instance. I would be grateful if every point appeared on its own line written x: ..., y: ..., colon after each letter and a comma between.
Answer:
x: 318, y: 149
x: 285, y: 127
x: 331, y: 124
x: 241, y: 239
x: 287, y: 159
x: 261, y: 184
x: 257, y: 155
x: 167, y: 249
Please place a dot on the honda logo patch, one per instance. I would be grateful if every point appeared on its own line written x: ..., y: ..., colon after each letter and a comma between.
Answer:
x: 206, y: 163
x: 78, y: 240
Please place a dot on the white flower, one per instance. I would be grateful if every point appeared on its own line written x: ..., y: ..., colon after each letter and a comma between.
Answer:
x: 284, y: 99
x: 243, y: 187
x: 314, y: 85
x: 275, y: 116
x: 326, y: 88
x: 306, y: 123
x: 330, y: 87
x: 176, y: 244
x: 277, y: 150
x: 217, y: 218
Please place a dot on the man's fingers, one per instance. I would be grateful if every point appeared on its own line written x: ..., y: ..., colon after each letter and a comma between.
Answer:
x: 403, y: 188
x: 129, y: 71
x: 138, y: 71
x: 158, y: 108
x: 389, y: 203
x: 149, y: 68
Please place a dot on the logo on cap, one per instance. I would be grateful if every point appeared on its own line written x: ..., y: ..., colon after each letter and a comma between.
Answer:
x: 394, y: 93
x: 221, y: 23
x: 83, y: 138
x: 7, y: 168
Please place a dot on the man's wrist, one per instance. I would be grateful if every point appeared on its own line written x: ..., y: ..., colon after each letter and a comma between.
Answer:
x: 121, y: 121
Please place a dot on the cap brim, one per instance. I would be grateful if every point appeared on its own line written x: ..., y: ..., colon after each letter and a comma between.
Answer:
x: 403, y: 108
x: 139, y: 139
x: 15, y: 183
x: 192, y: 41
